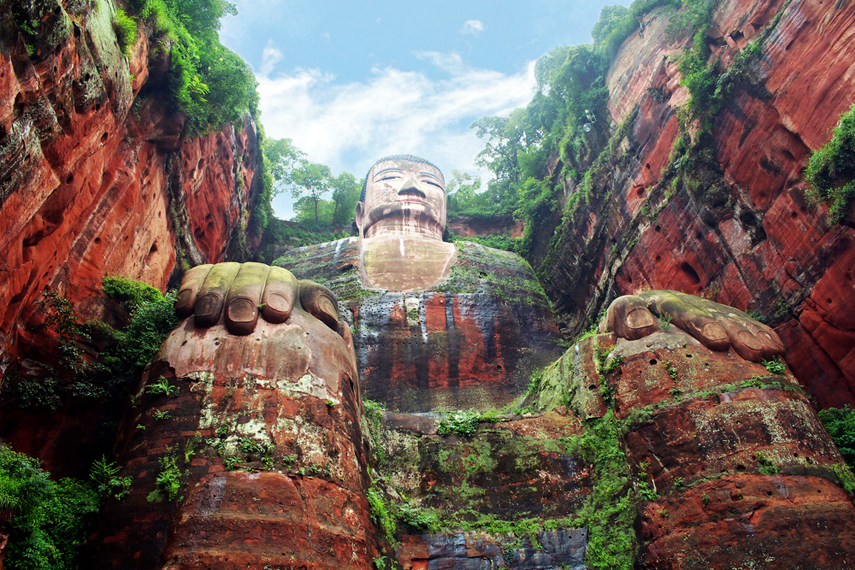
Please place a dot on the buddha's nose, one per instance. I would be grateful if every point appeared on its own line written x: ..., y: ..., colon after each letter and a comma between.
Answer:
x: 411, y: 183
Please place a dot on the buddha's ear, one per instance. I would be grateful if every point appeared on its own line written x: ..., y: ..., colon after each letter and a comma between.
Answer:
x: 360, y: 213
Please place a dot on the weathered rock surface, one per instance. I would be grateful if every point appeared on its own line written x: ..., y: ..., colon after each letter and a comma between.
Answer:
x: 745, y: 235
x: 96, y: 179
x: 476, y: 551
x: 264, y: 433
x: 523, y: 468
x: 456, y: 346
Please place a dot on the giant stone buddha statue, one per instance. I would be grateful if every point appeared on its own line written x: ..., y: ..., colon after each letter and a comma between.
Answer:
x: 266, y: 430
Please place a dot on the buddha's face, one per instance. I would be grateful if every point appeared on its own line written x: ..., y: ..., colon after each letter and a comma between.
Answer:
x: 412, y: 192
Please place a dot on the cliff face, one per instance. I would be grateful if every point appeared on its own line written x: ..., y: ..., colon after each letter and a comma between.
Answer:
x: 742, y: 232
x: 96, y: 177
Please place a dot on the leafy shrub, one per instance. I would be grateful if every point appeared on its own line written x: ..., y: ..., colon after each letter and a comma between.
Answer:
x: 103, y: 474
x: 840, y: 423
x: 464, y: 424
x: 126, y: 31
x: 831, y: 169
x: 161, y: 387
x: 151, y: 322
x: 131, y: 291
x: 775, y: 366
x: 49, y: 518
x: 168, y: 482
x: 416, y: 517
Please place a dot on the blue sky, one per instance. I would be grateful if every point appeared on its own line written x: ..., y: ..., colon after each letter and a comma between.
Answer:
x: 350, y: 82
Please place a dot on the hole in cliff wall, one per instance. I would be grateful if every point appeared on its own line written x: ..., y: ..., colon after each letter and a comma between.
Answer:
x: 70, y: 179
x: 640, y: 192
x: 18, y: 106
x: 647, y: 166
x: 658, y: 228
x: 794, y: 215
x: 658, y: 258
x: 104, y: 137
x: 653, y: 362
x: 689, y: 273
x: 97, y: 240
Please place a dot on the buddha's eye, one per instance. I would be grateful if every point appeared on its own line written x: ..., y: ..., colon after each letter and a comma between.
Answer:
x: 432, y: 183
x: 390, y: 177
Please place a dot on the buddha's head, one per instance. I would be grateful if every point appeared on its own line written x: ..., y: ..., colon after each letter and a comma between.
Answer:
x: 402, y: 194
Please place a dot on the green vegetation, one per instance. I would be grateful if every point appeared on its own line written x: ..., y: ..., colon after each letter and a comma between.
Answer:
x: 831, y: 169
x: 161, y: 387
x: 67, y: 372
x: 134, y: 293
x: 151, y: 322
x: 776, y: 366
x: 47, y: 519
x: 610, y: 509
x: 840, y: 423
x: 464, y: 424
x: 309, y: 183
x: 380, y: 514
x: 76, y: 368
x: 126, y: 30
x: 168, y: 482
x: 211, y: 84
x: 765, y: 465
x: 103, y: 475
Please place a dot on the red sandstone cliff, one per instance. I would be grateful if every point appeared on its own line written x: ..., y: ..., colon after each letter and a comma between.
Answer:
x: 97, y: 179
x: 744, y: 233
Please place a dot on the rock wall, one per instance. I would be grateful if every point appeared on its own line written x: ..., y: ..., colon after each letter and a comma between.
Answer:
x: 744, y: 234
x: 96, y: 174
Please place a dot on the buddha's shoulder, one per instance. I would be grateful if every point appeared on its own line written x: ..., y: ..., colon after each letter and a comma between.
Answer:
x: 323, y: 260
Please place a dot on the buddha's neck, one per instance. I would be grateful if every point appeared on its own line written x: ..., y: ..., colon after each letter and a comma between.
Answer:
x: 398, y: 226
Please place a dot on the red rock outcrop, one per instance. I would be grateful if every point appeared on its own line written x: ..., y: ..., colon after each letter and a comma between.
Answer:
x: 744, y: 234
x: 98, y: 179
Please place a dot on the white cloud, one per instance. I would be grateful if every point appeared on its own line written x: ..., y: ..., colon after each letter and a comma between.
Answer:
x: 270, y: 56
x: 472, y: 27
x: 349, y: 126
